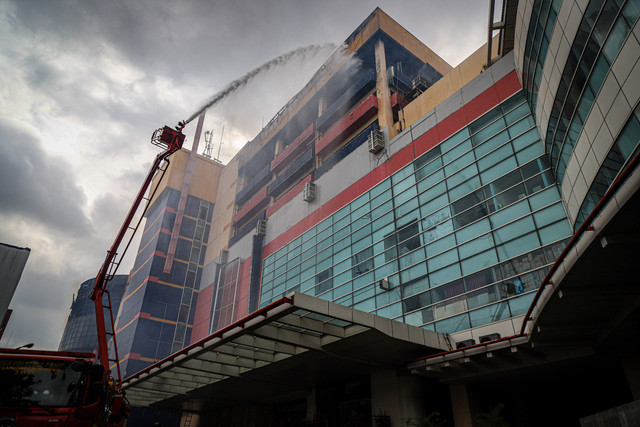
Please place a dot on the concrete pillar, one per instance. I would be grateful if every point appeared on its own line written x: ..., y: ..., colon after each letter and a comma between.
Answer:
x: 399, y: 397
x: 460, y: 405
x: 385, y: 115
x: 631, y: 367
x: 312, y: 404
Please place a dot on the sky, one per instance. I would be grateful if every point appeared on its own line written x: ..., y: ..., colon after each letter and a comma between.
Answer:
x: 85, y: 84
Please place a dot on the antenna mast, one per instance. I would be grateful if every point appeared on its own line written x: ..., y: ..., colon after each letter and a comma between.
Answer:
x: 207, y: 148
x: 217, y: 159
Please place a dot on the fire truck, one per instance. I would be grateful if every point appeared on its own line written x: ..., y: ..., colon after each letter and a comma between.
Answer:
x: 55, y: 388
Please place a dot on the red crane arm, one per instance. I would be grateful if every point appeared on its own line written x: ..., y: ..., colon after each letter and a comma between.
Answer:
x: 171, y: 140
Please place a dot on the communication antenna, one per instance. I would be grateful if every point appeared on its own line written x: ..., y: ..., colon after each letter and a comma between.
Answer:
x: 207, y: 148
x: 217, y: 159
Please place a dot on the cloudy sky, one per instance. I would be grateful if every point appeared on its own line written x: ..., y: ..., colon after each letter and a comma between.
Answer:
x: 85, y: 83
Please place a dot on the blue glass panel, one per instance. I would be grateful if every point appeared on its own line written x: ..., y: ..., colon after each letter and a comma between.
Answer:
x: 453, y: 324
x: 521, y: 304
x: 555, y: 231
x: 518, y: 246
x: 445, y: 275
x: 490, y: 314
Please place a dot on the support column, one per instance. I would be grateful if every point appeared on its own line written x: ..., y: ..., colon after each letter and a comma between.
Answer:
x: 631, y: 367
x: 399, y: 397
x: 460, y: 405
x: 385, y: 115
x: 312, y: 408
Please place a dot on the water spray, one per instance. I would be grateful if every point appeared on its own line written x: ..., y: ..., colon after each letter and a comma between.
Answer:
x: 242, y: 81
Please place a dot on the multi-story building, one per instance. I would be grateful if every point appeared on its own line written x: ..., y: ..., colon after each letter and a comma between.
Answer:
x: 157, y: 310
x: 80, y: 333
x: 406, y: 238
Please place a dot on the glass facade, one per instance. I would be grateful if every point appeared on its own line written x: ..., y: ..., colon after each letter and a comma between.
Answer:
x: 624, y: 148
x: 80, y: 333
x: 541, y: 25
x: 464, y: 234
x: 158, y: 309
x: 600, y: 36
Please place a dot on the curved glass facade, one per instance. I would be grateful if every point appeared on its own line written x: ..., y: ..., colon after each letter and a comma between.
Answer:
x: 541, y: 25
x: 80, y: 333
x: 600, y: 36
x: 624, y: 148
x: 463, y: 234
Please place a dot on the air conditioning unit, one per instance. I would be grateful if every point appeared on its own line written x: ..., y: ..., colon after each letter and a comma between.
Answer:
x: 376, y: 141
x: 261, y: 227
x: 309, y: 192
x: 465, y: 343
x: 384, y: 283
x: 224, y: 256
x: 489, y: 338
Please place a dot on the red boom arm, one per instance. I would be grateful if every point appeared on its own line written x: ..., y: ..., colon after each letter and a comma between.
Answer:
x: 171, y: 140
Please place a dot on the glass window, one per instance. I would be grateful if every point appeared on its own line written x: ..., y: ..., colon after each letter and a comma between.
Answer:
x: 554, y: 231
x: 362, y: 262
x: 490, y: 314
x: 475, y: 246
x: 462, y: 175
x: 464, y: 188
x: 324, y: 281
x: 453, y: 324
x: 456, y: 152
x: 470, y: 215
x: 525, y: 140
x: 521, y: 304
x: 518, y: 246
x: 500, y: 169
x: 429, y: 162
x: 478, y: 228
x: 442, y: 243
x: 510, y: 213
x: 479, y: 261
x: 491, y: 144
x: 455, y: 139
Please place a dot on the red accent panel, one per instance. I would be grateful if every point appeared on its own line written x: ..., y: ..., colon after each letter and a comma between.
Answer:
x: 202, y: 315
x: 288, y: 195
x: 426, y: 141
x: 144, y: 315
x: 397, y: 100
x: 293, y: 149
x: 481, y: 104
x: 257, y: 202
x: 401, y: 159
x: 363, y: 112
x: 452, y: 124
x: 508, y: 85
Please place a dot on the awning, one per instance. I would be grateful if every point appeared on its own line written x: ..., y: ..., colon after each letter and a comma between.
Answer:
x: 278, y: 353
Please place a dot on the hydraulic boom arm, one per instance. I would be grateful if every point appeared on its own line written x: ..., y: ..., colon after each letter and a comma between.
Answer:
x: 171, y: 140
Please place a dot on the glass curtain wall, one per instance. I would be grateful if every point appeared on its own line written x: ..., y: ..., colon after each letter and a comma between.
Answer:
x: 464, y: 234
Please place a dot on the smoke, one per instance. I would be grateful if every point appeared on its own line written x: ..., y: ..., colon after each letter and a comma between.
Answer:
x: 242, y: 81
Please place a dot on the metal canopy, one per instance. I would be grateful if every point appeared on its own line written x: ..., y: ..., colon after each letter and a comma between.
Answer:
x: 280, y: 351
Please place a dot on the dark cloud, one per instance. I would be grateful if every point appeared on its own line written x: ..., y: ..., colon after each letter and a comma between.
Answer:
x: 37, y: 186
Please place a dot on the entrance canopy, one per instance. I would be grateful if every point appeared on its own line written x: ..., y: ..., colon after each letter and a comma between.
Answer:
x: 279, y: 353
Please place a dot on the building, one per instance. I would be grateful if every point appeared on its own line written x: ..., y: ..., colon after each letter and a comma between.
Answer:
x: 80, y: 333
x: 12, y: 262
x: 157, y: 310
x: 408, y: 239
